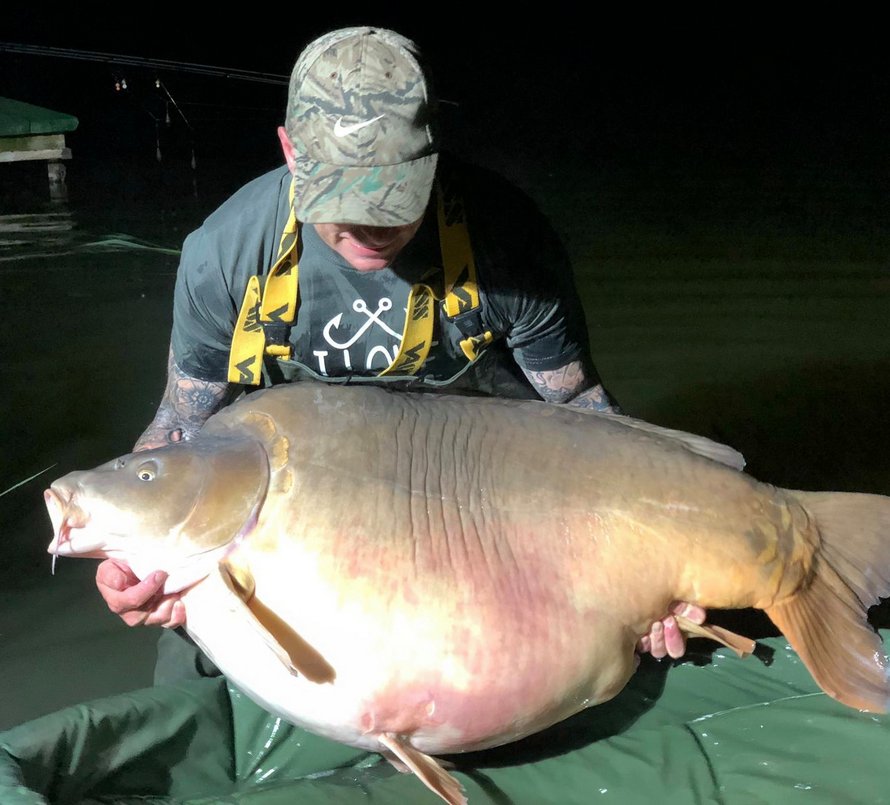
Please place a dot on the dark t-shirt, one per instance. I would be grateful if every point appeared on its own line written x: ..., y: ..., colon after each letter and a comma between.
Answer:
x: 351, y: 322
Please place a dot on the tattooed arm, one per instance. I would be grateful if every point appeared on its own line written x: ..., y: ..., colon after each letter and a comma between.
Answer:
x: 186, y: 405
x: 571, y: 384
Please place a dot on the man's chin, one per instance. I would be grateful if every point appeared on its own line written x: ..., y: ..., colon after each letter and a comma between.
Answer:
x: 365, y: 264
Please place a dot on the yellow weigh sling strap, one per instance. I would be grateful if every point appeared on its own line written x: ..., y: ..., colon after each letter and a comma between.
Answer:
x: 277, y: 304
x: 266, y: 315
x: 461, y: 289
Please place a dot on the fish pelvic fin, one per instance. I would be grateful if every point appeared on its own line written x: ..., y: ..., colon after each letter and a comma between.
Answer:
x: 427, y: 768
x: 827, y: 621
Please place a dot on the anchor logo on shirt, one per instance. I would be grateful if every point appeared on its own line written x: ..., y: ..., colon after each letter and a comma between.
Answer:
x: 373, y: 318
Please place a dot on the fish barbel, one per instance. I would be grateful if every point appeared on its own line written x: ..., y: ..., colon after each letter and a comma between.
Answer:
x: 423, y: 574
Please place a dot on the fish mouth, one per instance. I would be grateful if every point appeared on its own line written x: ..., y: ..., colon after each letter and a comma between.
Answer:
x: 67, y: 516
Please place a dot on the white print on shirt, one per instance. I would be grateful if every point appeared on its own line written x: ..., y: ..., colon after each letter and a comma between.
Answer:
x: 359, y: 306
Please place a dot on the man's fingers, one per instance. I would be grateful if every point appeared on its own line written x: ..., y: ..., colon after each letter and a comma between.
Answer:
x: 665, y: 639
x: 169, y: 613
x: 689, y: 611
x: 115, y: 575
x: 165, y: 611
x: 178, y: 616
x: 656, y: 641
x: 134, y: 597
x: 674, y: 640
x: 138, y: 603
x: 133, y: 618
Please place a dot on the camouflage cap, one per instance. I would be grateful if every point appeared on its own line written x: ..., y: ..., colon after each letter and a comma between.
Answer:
x: 360, y: 116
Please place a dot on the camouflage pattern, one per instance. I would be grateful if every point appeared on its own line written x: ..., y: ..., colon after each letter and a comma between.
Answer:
x: 360, y: 115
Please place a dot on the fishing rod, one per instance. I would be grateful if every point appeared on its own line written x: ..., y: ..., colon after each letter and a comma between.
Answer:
x: 115, y: 61
x: 138, y: 61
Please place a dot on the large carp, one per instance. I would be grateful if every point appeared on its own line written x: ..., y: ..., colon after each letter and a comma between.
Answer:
x: 418, y: 574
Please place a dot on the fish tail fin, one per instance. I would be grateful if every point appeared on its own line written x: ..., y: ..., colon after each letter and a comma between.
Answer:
x: 827, y: 622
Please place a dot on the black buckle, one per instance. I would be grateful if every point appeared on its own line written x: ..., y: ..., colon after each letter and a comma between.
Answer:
x: 277, y: 332
x: 469, y: 323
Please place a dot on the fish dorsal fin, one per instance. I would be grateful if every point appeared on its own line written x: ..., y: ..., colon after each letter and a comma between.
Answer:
x: 700, y: 445
x: 294, y: 653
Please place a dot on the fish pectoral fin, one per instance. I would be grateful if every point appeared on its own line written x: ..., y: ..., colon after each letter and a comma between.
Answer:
x: 238, y: 578
x: 241, y: 585
x: 743, y: 646
x: 427, y: 768
x: 292, y: 650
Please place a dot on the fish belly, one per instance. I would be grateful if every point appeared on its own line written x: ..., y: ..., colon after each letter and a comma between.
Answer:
x: 474, y: 570
x: 461, y: 666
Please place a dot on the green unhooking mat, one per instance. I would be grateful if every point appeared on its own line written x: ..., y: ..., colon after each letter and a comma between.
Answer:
x: 709, y: 729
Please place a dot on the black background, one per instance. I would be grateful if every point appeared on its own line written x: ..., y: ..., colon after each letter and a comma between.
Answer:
x: 673, y: 92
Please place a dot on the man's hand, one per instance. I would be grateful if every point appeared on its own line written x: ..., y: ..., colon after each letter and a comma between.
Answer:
x: 138, y: 602
x: 665, y: 638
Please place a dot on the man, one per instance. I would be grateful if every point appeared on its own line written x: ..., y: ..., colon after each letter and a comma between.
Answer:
x: 382, y: 261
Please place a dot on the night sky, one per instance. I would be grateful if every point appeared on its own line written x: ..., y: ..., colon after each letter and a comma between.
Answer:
x: 679, y: 93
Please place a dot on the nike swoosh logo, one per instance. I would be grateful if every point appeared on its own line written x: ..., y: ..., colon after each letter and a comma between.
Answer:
x: 341, y: 131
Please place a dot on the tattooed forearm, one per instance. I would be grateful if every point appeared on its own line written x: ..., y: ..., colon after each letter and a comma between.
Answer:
x: 186, y: 405
x: 598, y: 399
x: 571, y: 384
x: 559, y: 385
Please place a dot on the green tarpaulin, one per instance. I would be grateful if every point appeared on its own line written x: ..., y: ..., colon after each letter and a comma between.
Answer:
x: 709, y: 729
x: 20, y: 119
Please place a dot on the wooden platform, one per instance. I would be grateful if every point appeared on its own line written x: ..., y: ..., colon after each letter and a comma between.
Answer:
x: 29, y: 132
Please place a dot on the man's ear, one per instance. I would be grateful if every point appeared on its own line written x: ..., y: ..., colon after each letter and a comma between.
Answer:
x: 287, y: 148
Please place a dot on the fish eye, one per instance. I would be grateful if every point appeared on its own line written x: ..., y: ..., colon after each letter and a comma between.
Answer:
x: 147, y: 472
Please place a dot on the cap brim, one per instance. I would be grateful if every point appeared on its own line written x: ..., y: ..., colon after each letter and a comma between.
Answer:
x: 380, y: 195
